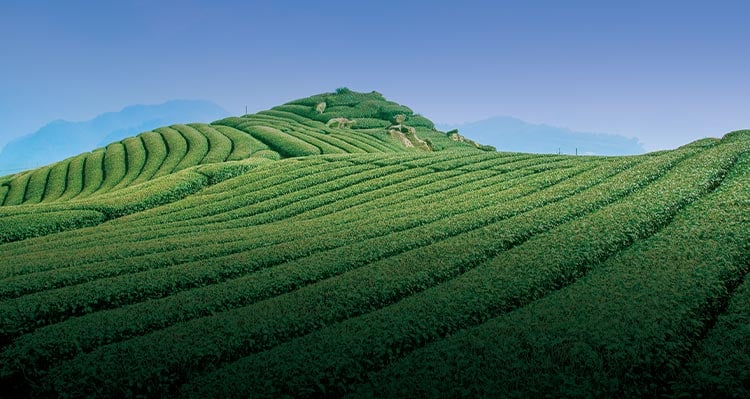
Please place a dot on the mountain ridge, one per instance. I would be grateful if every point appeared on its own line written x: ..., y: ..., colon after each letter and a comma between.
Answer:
x: 60, y: 138
x: 509, y: 133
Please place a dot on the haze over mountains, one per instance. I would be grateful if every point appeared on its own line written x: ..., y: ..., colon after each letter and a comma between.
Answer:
x: 507, y: 133
x: 61, y: 139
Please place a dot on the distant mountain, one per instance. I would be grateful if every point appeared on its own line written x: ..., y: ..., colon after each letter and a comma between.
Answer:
x: 511, y: 134
x: 61, y: 139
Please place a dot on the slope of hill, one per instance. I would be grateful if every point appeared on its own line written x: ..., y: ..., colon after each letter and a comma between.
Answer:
x: 342, y: 262
x: 61, y: 139
x: 512, y: 134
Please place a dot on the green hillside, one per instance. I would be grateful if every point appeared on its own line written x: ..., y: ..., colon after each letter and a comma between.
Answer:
x: 284, y: 255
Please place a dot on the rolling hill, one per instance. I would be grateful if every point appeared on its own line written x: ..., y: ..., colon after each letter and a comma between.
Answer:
x: 339, y: 245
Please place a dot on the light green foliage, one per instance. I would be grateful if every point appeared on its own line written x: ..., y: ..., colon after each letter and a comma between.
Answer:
x: 93, y: 172
x: 74, y: 179
x: 197, y: 147
x: 17, y: 188
x: 176, y: 149
x: 18, y: 227
x: 219, y: 146
x: 243, y: 144
x: 115, y: 166
x: 3, y: 192
x: 155, y: 153
x: 36, y: 186
x: 56, y: 181
x: 284, y: 144
x: 135, y: 160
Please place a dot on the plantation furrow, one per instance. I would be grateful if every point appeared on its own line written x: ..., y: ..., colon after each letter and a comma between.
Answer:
x: 74, y: 180
x: 54, y: 273
x: 3, y: 192
x: 176, y: 149
x: 720, y: 364
x: 322, y: 146
x: 240, y: 292
x: 440, y: 190
x: 126, y: 234
x: 620, y: 330
x: 197, y: 146
x: 311, y: 366
x: 361, y: 142
x: 219, y: 146
x: 266, y: 190
x: 257, y: 327
x: 135, y: 155
x: 243, y: 144
x: 269, y: 198
x: 284, y: 181
x: 482, y: 159
x: 36, y: 186
x: 155, y: 156
x: 17, y: 189
x: 152, y: 283
x: 49, y: 183
x: 286, y: 145
x: 58, y: 178
x: 93, y: 173
x: 87, y: 268
x: 114, y: 165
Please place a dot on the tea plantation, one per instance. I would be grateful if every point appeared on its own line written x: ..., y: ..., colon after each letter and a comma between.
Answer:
x: 340, y: 246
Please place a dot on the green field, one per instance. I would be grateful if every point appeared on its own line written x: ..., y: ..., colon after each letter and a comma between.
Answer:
x: 278, y: 255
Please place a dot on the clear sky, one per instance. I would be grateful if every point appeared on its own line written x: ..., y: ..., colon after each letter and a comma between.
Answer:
x: 667, y: 72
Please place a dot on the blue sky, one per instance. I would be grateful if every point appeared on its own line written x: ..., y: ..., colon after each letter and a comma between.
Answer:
x: 667, y: 72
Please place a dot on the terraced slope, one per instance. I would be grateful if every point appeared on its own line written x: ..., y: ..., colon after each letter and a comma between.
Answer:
x: 385, y: 273
x: 169, y: 163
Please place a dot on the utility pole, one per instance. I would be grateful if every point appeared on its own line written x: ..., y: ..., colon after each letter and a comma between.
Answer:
x: 576, y: 150
x: 245, y: 109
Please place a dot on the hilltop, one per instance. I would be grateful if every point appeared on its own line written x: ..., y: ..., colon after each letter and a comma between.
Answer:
x: 170, y: 162
x: 339, y: 245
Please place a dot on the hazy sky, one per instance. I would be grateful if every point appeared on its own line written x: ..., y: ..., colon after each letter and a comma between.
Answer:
x: 667, y: 72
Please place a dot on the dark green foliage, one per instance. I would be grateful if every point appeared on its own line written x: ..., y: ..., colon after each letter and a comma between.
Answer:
x: 18, y: 227
x: 37, y: 185
x: 419, y: 121
x: 115, y: 166
x: 622, y: 330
